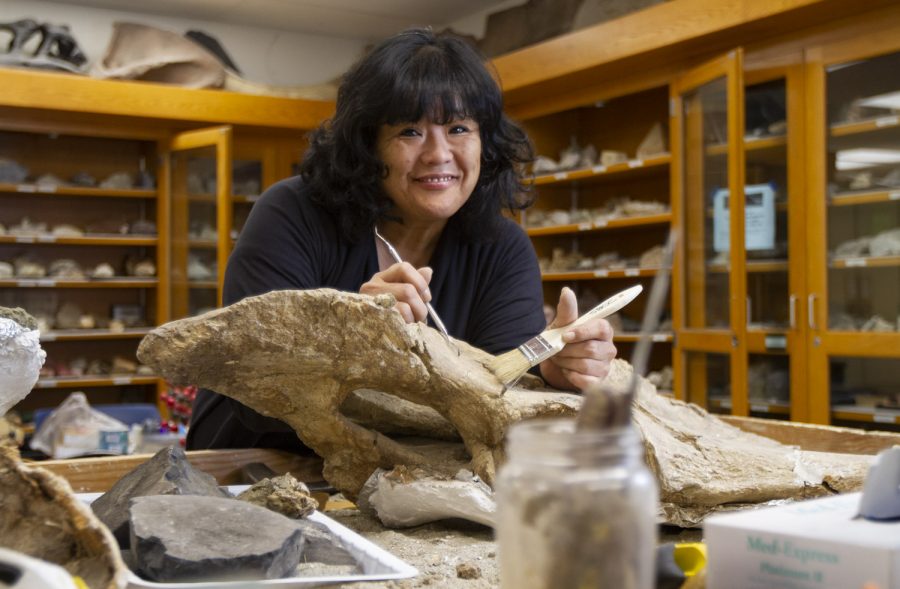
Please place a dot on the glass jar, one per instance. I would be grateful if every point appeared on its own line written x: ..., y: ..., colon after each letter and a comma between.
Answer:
x: 575, y: 510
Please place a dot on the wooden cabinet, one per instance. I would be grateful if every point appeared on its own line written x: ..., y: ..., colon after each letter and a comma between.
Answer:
x: 602, y: 212
x: 196, y: 161
x: 785, y: 190
x: 854, y: 213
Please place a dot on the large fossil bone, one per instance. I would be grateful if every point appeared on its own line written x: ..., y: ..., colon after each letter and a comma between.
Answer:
x: 299, y: 356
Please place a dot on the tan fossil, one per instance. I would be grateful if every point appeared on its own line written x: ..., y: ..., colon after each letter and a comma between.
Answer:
x: 301, y: 355
x: 41, y: 516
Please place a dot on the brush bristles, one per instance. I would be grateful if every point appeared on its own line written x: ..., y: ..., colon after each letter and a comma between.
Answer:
x: 510, y: 366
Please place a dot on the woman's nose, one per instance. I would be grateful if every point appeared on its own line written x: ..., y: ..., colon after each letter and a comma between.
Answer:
x: 436, y: 148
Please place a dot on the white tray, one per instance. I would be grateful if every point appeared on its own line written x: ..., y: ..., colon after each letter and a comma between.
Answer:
x: 376, y: 563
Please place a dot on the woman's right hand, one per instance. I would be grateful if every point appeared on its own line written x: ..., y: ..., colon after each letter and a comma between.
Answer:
x: 408, y: 285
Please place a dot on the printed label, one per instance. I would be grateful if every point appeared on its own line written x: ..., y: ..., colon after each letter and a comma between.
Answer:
x: 598, y: 169
x: 561, y: 175
x: 632, y: 272
x: 856, y: 262
x: 887, y: 121
x: 635, y: 163
x: 601, y: 273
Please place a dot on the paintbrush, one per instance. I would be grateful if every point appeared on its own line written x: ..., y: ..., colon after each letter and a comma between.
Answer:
x: 509, y: 367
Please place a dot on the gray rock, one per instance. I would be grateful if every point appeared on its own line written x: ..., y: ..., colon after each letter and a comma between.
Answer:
x: 189, y: 538
x: 167, y: 473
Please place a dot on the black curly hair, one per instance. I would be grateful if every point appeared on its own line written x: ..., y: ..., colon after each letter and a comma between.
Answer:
x: 413, y: 74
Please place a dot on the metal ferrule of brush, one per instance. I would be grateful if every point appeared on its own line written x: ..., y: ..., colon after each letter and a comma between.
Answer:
x: 537, y: 349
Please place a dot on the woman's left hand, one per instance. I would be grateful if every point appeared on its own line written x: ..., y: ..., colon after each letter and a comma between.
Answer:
x: 586, y: 357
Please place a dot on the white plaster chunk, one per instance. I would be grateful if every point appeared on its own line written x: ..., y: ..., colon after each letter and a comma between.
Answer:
x: 404, y: 498
x: 21, y: 358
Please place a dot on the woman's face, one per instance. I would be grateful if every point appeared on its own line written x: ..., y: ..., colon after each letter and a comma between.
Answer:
x: 432, y: 168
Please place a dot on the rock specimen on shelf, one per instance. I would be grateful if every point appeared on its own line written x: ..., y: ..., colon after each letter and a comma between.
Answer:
x: 41, y: 517
x: 103, y: 270
x: 183, y: 538
x: 49, y: 182
x: 27, y: 228
x: 167, y: 473
x: 12, y: 172
x: 67, y: 230
x: 297, y: 355
x: 886, y: 243
x: 28, y: 268
x: 117, y: 181
x: 283, y: 494
x: 65, y: 269
x: 653, y: 143
x: 21, y: 356
x: 84, y: 179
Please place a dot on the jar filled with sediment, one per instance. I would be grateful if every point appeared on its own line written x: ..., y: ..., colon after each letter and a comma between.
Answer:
x: 575, y: 510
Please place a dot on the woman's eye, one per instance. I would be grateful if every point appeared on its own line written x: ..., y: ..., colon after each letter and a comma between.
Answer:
x: 408, y: 132
x: 457, y: 129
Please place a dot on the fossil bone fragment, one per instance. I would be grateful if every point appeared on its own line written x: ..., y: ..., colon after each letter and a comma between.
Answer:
x: 40, y: 516
x: 298, y: 355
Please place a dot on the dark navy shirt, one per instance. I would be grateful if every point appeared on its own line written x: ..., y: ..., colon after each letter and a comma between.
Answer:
x: 488, y: 292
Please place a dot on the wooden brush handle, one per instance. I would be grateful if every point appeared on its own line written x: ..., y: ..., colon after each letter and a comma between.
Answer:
x: 604, y: 309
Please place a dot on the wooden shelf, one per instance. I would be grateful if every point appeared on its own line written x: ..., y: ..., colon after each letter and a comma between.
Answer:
x: 855, y: 128
x: 600, y: 273
x: 775, y: 143
x: 202, y: 284
x: 88, y: 239
x: 865, y: 414
x: 154, y: 106
x: 77, y: 382
x: 620, y: 223
x: 659, y: 337
x: 867, y: 262
x: 78, y: 191
x: 635, y: 167
x: 772, y: 408
x: 864, y: 198
x: 753, y: 266
x: 66, y: 335
x: 118, y: 282
x: 211, y: 198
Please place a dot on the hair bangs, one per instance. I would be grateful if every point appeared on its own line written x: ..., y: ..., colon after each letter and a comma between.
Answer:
x: 432, y: 87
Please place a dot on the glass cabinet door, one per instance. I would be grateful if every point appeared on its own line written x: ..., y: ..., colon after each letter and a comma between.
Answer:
x: 707, y: 130
x: 855, y: 301
x: 773, y: 241
x: 200, y: 219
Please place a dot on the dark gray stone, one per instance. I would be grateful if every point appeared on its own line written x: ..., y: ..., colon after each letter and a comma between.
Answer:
x: 167, y: 473
x: 189, y: 538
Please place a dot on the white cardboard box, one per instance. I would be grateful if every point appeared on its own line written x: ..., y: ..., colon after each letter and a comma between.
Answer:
x: 815, y: 544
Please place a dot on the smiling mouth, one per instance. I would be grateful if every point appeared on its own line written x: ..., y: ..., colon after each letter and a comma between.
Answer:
x: 435, y: 179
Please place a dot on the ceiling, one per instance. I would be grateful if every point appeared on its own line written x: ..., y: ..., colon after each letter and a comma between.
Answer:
x: 363, y: 19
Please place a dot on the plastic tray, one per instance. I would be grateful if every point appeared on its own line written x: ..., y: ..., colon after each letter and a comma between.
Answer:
x: 376, y: 563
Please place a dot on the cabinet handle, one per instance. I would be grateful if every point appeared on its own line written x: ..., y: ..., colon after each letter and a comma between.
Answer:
x: 749, y: 310
x: 792, y: 311
x: 811, y: 311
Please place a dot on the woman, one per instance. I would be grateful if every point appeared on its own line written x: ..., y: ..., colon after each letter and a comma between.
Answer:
x: 419, y: 147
